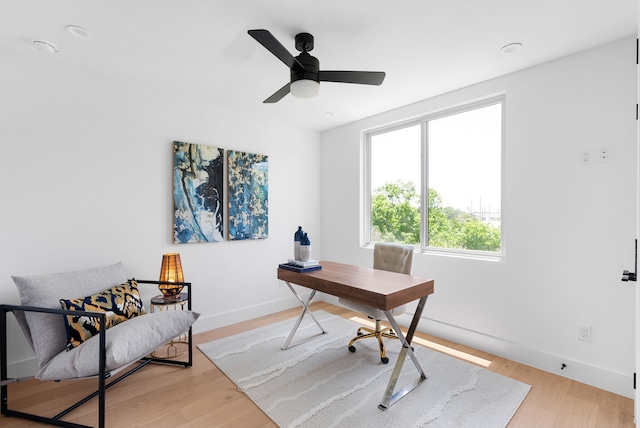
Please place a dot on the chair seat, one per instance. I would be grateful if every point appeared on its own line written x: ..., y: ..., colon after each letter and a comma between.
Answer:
x: 374, y: 313
x: 391, y: 257
x: 126, y: 343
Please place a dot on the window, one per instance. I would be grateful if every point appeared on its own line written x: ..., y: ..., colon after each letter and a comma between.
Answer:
x: 457, y: 156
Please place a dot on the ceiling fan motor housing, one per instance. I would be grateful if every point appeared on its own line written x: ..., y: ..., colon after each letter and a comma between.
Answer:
x: 311, y: 68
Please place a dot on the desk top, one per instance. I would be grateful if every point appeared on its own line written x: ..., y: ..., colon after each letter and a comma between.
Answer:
x: 372, y: 287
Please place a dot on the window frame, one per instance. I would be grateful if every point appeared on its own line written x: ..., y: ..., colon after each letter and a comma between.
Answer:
x: 423, y: 121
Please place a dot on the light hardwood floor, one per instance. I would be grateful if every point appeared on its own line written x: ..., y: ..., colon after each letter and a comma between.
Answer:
x: 201, y: 396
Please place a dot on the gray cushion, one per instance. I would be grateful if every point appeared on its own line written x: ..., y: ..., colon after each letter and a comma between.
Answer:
x: 374, y: 313
x: 125, y: 343
x: 391, y: 257
x: 47, y: 331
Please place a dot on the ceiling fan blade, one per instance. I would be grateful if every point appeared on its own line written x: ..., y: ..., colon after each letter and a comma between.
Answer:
x: 361, y: 77
x: 278, y: 95
x: 266, y: 39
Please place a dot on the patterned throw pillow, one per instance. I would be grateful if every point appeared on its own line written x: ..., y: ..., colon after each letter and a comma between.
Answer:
x: 119, y: 304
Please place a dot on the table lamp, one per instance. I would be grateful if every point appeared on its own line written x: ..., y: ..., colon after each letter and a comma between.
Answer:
x: 171, y: 271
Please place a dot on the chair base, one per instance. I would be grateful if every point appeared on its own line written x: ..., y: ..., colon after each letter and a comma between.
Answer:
x: 57, y: 419
x: 378, y: 333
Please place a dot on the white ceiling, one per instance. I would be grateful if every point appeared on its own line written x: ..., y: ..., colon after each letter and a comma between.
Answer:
x: 200, y: 49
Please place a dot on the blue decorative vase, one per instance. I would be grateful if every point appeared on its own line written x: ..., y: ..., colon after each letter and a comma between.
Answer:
x: 297, y: 237
x: 305, y: 248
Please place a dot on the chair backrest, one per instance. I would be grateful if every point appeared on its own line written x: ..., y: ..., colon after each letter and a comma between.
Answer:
x: 393, y: 257
x: 46, y: 333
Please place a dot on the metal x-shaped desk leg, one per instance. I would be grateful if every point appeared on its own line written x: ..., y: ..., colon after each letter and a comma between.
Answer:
x: 390, y: 397
x: 305, y: 310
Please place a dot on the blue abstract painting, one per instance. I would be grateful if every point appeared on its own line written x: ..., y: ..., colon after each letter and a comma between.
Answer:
x: 197, y: 193
x: 248, y: 188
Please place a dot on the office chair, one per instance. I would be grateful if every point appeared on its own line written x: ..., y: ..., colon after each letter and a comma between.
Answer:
x: 390, y: 257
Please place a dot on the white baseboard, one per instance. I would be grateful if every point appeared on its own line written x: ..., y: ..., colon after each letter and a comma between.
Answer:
x: 22, y: 369
x: 616, y: 382
x: 603, y: 378
x: 29, y: 366
x: 210, y: 322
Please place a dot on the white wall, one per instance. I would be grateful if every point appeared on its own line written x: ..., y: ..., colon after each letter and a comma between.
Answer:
x: 86, y: 181
x: 568, y: 228
x: 86, y: 173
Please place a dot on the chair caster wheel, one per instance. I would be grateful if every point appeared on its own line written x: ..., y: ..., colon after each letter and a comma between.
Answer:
x: 352, y: 348
x: 384, y: 360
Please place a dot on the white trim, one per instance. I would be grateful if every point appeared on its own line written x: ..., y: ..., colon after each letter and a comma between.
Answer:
x: 464, y: 254
x: 600, y: 377
x: 365, y: 187
x: 223, y: 319
x: 29, y: 367
x: 365, y: 178
x: 423, y: 121
x: 23, y: 369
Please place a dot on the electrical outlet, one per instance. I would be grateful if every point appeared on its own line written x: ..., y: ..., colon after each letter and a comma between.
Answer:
x: 603, y: 155
x: 585, y: 157
x: 584, y: 332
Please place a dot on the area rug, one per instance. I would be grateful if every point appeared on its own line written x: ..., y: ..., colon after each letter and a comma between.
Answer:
x: 319, y: 383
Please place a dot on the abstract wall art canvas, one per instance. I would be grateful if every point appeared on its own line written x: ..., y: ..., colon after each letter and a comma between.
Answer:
x: 248, y: 188
x: 197, y: 193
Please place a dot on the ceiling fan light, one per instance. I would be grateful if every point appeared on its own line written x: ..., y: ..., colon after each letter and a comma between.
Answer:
x: 304, y: 88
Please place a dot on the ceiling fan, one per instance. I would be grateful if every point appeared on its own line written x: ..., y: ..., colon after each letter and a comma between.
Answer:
x: 305, y: 69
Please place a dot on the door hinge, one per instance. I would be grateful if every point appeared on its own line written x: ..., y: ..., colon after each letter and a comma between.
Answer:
x: 632, y: 276
x: 634, y: 381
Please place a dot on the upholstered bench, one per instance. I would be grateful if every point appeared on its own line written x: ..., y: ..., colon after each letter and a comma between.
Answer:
x: 62, y: 316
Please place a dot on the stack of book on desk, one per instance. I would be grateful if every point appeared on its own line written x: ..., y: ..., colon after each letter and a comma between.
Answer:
x: 300, y: 266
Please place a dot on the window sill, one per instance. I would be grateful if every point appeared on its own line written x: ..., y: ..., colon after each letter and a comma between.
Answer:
x: 465, y: 254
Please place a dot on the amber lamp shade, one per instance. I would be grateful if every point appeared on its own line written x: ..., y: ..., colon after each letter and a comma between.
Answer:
x: 171, y: 271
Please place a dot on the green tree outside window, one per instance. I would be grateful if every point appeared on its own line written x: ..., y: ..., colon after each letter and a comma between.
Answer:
x: 395, y: 217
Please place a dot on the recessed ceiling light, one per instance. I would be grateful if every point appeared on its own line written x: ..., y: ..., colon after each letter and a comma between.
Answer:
x: 45, y: 46
x: 83, y: 33
x: 329, y: 113
x: 511, y: 48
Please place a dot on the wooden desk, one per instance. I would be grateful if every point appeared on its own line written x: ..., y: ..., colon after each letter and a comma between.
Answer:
x: 372, y: 287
